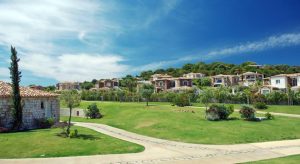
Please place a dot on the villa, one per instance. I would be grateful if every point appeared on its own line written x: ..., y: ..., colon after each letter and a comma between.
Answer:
x: 194, y: 75
x: 68, y: 86
x: 249, y: 78
x: 107, y: 84
x: 36, y: 104
x: 225, y: 80
x: 283, y: 81
x: 164, y: 82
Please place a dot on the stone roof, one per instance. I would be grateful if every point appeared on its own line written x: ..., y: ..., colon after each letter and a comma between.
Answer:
x: 6, y: 91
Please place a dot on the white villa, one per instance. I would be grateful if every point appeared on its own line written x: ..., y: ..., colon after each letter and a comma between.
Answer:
x: 282, y: 82
x: 194, y: 75
x: 249, y: 78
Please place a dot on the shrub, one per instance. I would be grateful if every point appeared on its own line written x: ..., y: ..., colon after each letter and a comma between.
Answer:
x: 181, y: 99
x: 74, y: 134
x: 93, y: 111
x: 219, y: 112
x: 269, y: 116
x: 247, y: 112
x: 3, y: 130
x: 260, y: 105
x: 44, y: 123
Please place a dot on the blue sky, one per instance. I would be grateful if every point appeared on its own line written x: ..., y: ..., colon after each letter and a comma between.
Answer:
x: 74, y: 40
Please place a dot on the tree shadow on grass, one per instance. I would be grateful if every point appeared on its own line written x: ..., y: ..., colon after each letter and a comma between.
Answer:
x: 87, y: 137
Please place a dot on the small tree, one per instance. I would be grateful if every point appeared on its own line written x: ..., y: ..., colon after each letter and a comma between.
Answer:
x: 93, y: 111
x: 146, y: 92
x: 248, y: 94
x: 206, y: 97
x: 71, y: 99
x: 15, y: 76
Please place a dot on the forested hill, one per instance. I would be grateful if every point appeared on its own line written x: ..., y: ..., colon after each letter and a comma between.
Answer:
x: 223, y: 68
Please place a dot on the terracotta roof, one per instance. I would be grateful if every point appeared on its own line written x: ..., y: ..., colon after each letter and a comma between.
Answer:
x: 6, y: 91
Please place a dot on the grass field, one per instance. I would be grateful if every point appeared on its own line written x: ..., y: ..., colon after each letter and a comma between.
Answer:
x: 45, y: 143
x: 294, y: 159
x: 169, y: 122
x: 271, y: 108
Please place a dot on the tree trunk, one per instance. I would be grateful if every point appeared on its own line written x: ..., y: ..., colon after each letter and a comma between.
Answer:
x: 69, y: 123
x: 147, y: 102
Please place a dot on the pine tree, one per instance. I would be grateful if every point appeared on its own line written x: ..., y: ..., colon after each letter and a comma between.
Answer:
x: 15, y: 76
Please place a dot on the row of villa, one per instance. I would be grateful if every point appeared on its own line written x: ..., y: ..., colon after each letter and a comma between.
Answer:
x: 164, y: 82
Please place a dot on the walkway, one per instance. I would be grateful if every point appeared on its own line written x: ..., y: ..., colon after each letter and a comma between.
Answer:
x: 170, y: 152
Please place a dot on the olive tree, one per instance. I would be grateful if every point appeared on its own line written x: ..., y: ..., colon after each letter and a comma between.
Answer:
x: 146, y: 91
x: 71, y: 99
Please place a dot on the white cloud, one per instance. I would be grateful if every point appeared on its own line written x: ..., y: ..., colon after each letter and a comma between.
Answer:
x: 74, y: 67
x: 275, y: 41
x: 4, y: 74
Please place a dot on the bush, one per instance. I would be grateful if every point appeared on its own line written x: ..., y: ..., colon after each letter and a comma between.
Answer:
x: 93, y: 111
x: 260, y: 105
x: 44, y: 122
x: 269, y: 116
x: 181, y: 99
x: 247, y: 112
x: 219, y: 112
x: 74, y: 134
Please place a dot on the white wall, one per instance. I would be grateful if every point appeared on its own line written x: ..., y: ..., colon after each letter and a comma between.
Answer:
x: 283, y: 82
x: 298, y: 81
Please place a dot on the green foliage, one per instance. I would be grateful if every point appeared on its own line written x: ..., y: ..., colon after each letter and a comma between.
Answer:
x: 269, y: 116
x: 146, y: 91
x: 86, y: 85
x: 260, y: 105
x: 92, y: 111
x: 71, y: 99
x: 181, y: 99
x: 219, y: 112
x: 206, y: 96
x: 74, y: 134
x: 202, y: 82
x: 129, y: 82
x: 15, y: 76
x: 247, y: 112
x: 44, y: 122
x: 223, y: 68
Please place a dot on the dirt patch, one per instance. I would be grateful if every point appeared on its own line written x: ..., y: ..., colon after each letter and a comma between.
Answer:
x: 144, y: 124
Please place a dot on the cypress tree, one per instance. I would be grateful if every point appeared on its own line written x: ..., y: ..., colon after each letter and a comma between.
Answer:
x: 15, y: 76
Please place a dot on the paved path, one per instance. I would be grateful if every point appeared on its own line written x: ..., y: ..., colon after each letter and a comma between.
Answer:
x: 170, y: 152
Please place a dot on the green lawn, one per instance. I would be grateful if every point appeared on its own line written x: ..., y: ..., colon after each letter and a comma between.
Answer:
x: 271, y: 108
x: 45, y: 143
x: 165, y: 121
x: 293, y: 159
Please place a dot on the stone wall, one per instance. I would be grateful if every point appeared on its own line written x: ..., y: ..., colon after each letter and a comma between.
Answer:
x: 33, y: 108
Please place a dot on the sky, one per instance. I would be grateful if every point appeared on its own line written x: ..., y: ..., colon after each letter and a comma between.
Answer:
x: 75, y: 40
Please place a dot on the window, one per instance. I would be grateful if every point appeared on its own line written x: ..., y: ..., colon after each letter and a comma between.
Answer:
x: 185, y: 83
x: 277, y: 81
x: 42, y: 105
x: 161, y: 83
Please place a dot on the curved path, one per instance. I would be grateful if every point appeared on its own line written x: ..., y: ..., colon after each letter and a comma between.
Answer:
x: 164, y: 151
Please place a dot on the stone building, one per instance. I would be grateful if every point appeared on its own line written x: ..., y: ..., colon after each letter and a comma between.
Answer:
x: 106, y: 84
x: 36, y: 104
x: 225, y: 80
x: 68, y: 86
x: 166, y: 82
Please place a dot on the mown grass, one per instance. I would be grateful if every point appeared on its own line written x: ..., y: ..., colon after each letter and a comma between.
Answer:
x: 46, y: 143
x: 293, y: 159
x: 180, y: 124
x: 295, y: 109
